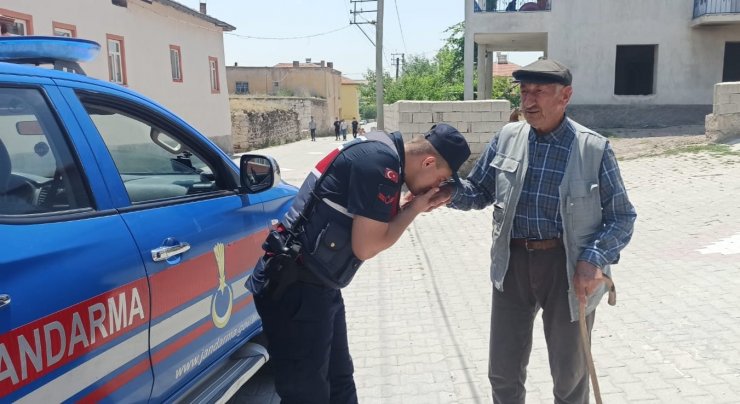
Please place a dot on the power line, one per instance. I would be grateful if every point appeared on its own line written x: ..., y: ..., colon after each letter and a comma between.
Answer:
x: 400, y: 26
x: 288, y: 38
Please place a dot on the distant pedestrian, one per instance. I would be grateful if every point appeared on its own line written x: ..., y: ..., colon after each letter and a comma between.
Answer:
x: 336, y: 128
x: 355, y: 124
x: 343, y: 129
x: 312, y: 128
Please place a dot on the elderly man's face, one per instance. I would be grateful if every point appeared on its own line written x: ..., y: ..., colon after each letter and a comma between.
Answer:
x: 544, y: 105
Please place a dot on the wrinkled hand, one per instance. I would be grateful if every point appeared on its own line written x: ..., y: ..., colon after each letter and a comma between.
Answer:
x: 442, y: 197
x: 587, y: 279
x: 425, y: 202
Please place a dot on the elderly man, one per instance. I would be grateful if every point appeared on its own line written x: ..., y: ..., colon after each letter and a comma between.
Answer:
x: 561, y: 216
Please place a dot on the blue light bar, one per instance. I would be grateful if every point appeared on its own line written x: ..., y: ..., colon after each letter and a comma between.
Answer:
x: 43, y: 49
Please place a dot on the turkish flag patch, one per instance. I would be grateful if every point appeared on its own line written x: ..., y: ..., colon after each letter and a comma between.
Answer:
x: 391, y: 175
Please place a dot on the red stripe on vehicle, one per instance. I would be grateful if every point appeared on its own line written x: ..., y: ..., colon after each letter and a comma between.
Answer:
x: 178, y: 285
x: 35, y: 349
x: 164, y: 353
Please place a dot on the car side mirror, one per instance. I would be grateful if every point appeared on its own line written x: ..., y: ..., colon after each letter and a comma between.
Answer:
x: 258, y: 173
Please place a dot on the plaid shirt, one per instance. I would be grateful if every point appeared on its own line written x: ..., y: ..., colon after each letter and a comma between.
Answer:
x: 538, y: 211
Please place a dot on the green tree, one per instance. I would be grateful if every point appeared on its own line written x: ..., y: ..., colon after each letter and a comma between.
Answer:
x: 440, y: 78
x: 505, y: 88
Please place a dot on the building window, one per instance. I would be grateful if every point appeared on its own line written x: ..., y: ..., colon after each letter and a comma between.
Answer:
x: 242, y: 87
x: 635, y: 70
x: 116, y: 59
x: 176, y: 63
x: 731, y: 66
x: 213, y: 68
x: 61, y: 29
x: 21, y: 24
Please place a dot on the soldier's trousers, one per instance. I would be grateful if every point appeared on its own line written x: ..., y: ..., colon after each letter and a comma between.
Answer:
x: 307, y: 336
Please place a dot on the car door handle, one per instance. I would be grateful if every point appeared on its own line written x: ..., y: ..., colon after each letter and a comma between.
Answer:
x: 167, y: 252
x: 4, y: 300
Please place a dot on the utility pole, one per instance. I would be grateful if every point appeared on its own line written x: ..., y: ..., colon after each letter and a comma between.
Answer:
x: 396, y: 61
x: 379, y: 67
x: 378, y: 52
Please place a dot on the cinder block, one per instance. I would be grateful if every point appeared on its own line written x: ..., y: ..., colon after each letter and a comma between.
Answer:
x: 451, y: 117
x: 422, y: 117
x: 732, y: 87
x: 733, y: 99
x: 725, y: 109
x: 437, y: 117
x: 472, y: 137
x: 501, y: 105
x: 406, y: 128
x: 408, y: 106
x: 422, y: 128
x: 425, y: 106
x: 472, y: 116
x: 439, y: 106
x: 481, y: 106
x: 477, y: 148
x: 405, y: 117
x: 491, y: 116
x: 484, y: 127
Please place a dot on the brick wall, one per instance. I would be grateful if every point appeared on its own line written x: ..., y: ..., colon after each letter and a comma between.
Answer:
x: 724, y: 121
x: 478, y: 121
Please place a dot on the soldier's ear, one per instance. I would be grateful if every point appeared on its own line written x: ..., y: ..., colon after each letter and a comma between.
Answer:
x: 429, y: 161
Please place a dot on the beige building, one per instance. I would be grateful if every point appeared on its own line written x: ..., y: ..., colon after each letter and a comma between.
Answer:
x: 319, y: 80
x: 634, y: 62
x: 160, y: 48
x: 350, y: 95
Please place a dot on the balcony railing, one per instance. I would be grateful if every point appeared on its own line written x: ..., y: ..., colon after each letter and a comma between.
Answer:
x: 501, y: 6
x: 708, y: 7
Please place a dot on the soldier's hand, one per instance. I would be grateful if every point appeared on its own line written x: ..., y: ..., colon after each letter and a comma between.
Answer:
x: 406, y: 199
x: 587, y: 278
x: 424, y: 202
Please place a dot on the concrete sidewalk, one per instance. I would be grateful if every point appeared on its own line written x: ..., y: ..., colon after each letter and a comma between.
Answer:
x: 418, y: 314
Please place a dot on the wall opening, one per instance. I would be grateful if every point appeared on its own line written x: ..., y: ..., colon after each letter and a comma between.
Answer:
x: 635, y: 70
x: 731, y: 68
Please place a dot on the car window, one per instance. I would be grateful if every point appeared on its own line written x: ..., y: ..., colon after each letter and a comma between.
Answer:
x: 38, y: 173
x: 153, y: 163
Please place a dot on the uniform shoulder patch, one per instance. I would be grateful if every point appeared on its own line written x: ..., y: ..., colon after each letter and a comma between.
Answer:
x: 391, y: 175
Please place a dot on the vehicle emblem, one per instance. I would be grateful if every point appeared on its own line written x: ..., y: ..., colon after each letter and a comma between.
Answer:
x: 223, y: 294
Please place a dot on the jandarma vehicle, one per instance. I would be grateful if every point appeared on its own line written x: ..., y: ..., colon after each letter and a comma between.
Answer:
x: 125, y: 240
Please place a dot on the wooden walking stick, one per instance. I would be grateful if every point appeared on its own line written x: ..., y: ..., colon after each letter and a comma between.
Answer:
x: 586, y: 341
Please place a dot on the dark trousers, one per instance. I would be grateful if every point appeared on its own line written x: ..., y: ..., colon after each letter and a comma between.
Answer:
x: 536, y: 279
x: 313, y: 134
x: 307, y: 336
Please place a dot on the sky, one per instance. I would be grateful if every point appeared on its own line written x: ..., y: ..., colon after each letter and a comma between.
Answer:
x: 420, y: 32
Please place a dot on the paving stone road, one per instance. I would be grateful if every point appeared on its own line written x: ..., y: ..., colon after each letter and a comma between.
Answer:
x: 418, y: 314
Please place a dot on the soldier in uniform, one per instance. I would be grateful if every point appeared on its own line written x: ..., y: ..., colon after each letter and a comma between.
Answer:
x: 348, y: 210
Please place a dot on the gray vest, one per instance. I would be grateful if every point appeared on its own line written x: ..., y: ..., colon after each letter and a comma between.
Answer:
x: 580, y: 200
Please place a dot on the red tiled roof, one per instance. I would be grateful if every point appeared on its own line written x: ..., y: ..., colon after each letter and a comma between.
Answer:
x: 504, y: 69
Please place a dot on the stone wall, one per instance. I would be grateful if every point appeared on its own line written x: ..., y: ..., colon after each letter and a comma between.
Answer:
x: 724, y: 121
x: 478, y: 121
x: 305, y: 107
x: 253, y: 128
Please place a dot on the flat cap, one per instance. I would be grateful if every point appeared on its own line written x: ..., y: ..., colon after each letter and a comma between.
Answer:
x: 544, y: 71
